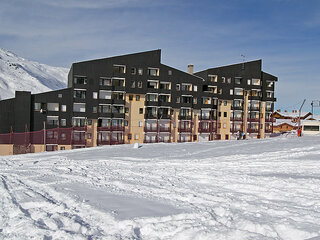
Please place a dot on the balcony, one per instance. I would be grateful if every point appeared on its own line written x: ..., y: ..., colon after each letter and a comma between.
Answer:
x: 253, y: 119
x: 150, y: 116
x: 164, y: 128
x: 254, y: 108
x: 268, y: 130
x: 79, y: 129
x: 151, y: 129
x: 150, y: 140
x: 109, y: 142
x: 80, y: 141
x: 253, y: 130
x: 164, y: 116
x: 268, y: 119
x: 236, y: 119
x: 184, y: 117
x: 236, y: 108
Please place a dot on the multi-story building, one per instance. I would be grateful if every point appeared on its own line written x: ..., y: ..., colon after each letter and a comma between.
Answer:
x: 136, y: 99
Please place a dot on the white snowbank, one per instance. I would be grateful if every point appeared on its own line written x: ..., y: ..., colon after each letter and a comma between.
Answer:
x: 255, y: 189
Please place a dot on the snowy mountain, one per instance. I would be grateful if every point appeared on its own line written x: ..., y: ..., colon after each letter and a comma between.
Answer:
x: 255, y: 189
x: 20, y: 74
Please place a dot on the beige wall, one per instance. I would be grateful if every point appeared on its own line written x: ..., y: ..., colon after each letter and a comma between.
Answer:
x: 175, y: 122
x: 262, y: 119
x: 224, y: 129
x: 92, y: 129
x: 245, y: 112
x: 195, y: 120
x: 6, y: 149
x: 134, y: 117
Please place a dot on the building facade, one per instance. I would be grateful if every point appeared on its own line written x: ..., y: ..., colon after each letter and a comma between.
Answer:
x: 136, y: 99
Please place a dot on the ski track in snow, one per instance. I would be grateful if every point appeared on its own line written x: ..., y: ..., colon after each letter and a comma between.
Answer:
x: 257, y: 189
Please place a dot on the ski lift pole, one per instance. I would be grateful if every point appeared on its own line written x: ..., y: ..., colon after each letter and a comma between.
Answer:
x: 299, y: 123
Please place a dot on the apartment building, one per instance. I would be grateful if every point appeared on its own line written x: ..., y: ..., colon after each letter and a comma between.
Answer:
x: 135, y: 98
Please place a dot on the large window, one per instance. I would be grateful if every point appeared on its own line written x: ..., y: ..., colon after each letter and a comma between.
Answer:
x: 206, y: 100
x: 256, y: 82
x: 311, y: 128
x: 79, y: 93
x: 104, y: 122
x: 152, y: 84
x: 186, y: 87
x: 80, y: 80
x: 213, y: 78
x: 165, y: 85
x: 53, y: 107
x: 237, y: 80
x: 79, y: 107
x: 78, y: 122
x: 52, y: 120
x: 185, y: 112
x: 117, y: 95
x: 152, y: 97
x: 238, y: 91
x: 104, y: 108
x: 104, y: 94
x: 237, y: 103
x: 117, y: 109
x: 119, y: 69
x: 105, y: 81
x: 164, y: 98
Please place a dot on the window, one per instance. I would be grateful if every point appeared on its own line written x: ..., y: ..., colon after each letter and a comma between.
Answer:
x: 126, y: 123
x: 225, y: 114
x: 140, y: 71
x: 104, y: 122
x: 133, y: 71
x: 238, y: 91
x: 119, y: 69
x: 79, y: 107
x: 153, y: 71
x: 269, y: 94
x: 152, y: 84
x: 220, y: 91
x: 117, y: 109
x: 52, y: 120
x: 137, y: 97
x: 104, y: 108
x: 223, y: 80
x: 213, y: 78
x: 206, y: 100
x: 178, y: 100
x: 63, y: 122
x: 164, y: 98
x: 219, y: 125
x: 256, y: 82
x: 310, y: 128
x: 105, y: 81
x: 94, y: 109
x: 37, y: 106
x: 152, y: 97
x: 140, y: 110
x: 80, y: 80
x: 186, y: 87
x: 140, y: 84
x: 165, y: 85
x: 195, y: 88
x: 140, y: 123
x: 133, y: 84
x: 60, y: 95
x: 53, y: 107
x: 231, y: 91
x: 170, y: 72
x: 237, y: 80
x: 78, y: 122
x: 269, y: 84
x: 62, y: 148
x: 129, y: 136
x: 126, y: 110
x: 224, y: 125
x: 229, y: 80
x: 103, y: 94
x: 95, y: 95
x: 249, y: 82
x: 89, y: 135
x: 195, y: 100
x: 130, y: 97
x: 219, y: 114
x: 225, y: 103
x: 79, y: 93
x: 178, y: 87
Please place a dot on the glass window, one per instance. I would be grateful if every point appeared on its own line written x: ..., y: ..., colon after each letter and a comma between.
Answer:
x: 140, y: 71
x: 79, y: 107
x: 170, y: 72
x: 130, y: 97
x: 60, y: 95
x: 119, y: 69
x: 152, y: 84
x: 137, y: 97
x: 133, y: 71
x: 63, y: 122
x: 141, y: 110
x: 37, y: 106
x: 178, y: 87
x: 63, y: 108
x: 104, y: 94
x: 140, y: 84
x: 153, y: 71
x: 78, y: 122
x: 53, y: 107
x: 80, y: 80
x: 79, y: 93
x: 52, y: 120
x: 94, y: 109
x: 105, y: 81
x: 105, y: 108
x: 95, y: 95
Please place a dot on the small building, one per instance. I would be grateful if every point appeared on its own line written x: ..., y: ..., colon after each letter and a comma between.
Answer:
x: 310, y: 127
x: 285, y: 121
x: 284, y: 125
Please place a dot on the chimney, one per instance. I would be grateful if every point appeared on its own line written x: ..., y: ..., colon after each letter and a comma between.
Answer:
x: 190, y: 68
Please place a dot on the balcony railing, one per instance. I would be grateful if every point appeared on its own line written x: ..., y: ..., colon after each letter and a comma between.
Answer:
x: 253, y: 119
x: 109, y: 142
x: 111, y: 128
x: 164, y: 129
x: 81, y: 141
x: 236, y: 119
x: 150, y: 129
x: 253, y: 130
x: 254, y: 108
x: 184, y: 117
x: 150, y: 116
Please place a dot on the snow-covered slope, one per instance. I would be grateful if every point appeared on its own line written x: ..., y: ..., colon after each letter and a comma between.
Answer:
x: 253, y: 189
x: 17, y: 73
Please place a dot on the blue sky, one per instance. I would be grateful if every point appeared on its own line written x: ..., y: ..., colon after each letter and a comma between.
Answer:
x: 285, y: 34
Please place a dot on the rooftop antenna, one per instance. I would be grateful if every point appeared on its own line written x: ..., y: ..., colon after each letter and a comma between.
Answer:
x: 243, y: 60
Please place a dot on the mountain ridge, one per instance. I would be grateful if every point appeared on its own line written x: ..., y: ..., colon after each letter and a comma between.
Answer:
x: 20, y: 74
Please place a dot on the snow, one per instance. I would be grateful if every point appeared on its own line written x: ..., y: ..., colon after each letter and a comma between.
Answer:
x: 19, y: 74
x: 250, y: 189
